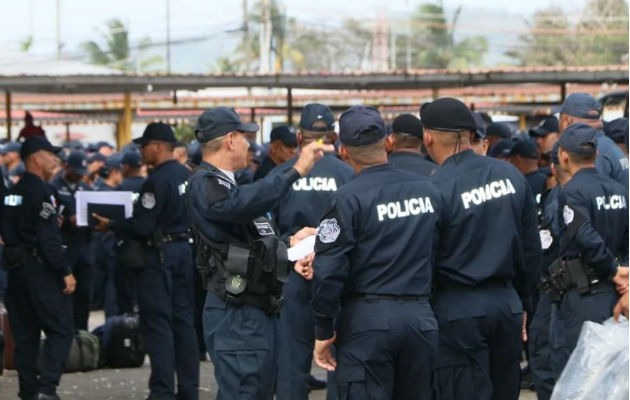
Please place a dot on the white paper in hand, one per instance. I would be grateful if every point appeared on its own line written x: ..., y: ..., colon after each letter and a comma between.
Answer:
x: 305, y: 247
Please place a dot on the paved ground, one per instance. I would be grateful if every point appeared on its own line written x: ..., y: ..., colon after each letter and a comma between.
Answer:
x: 130, y: 384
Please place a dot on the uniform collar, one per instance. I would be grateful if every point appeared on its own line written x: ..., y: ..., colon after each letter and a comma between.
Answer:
x: 457, y: 157
x: 376, y: 168
x: 408, y: 154
x: 585, y: 172
x: 228, y: 174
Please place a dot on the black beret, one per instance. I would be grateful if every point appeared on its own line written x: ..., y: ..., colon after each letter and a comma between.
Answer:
x: 407, y: 124
x: 447, y: 114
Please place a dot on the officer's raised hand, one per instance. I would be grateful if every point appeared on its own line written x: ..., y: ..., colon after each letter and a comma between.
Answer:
x: 309, y: 155
x: 322, y: 354
x: 70, y: 283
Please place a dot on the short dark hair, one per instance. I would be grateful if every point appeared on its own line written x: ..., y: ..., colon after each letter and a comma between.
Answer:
x: 403, y: 141
x: 580, y: 158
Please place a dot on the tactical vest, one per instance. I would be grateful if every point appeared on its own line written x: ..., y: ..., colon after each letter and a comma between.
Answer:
x: 251, y: 272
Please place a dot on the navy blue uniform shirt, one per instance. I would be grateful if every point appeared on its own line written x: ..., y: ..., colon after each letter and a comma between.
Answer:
x: 310, y: 195
x: 538, y: 183
x: 602, y: 223
x: 412, y: 162
x: 611, y: 161
x: 65, y: 193
x: 549, y: 227
x: 378, y: 238
x: 29, y: 218
x: 134, y: 185
x: 490, y: 230
x: 161, y: 205
x: 264, y: 168
x: 221, y: 210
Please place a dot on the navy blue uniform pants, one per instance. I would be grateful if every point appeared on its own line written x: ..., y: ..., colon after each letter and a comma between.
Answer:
x: 241, y: 342
x: 386, y: 349
x: 296, y: 336
x: 81, y: 261
x: 480, y: 341
x: 104, y: 288
x: 35, y: 302
x: 165, y: 300
x: 573, y: 310
x: 540, y: 349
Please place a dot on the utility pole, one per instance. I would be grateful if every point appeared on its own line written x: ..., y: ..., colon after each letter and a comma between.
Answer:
x: 408, y: 55
x: 58, y: 9
x: 168, y: 36
x: 265, y: 37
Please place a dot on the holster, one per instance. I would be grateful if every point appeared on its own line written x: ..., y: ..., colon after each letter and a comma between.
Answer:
x: 236, y: 266
x: 564, y: 275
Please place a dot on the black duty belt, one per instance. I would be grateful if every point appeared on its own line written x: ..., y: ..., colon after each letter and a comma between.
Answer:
x: 170, y: 238
x: 366, y: 296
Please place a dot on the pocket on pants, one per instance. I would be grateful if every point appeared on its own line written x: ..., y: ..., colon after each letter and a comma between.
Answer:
x: 351, y: 382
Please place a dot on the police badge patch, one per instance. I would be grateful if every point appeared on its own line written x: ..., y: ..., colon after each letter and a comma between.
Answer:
x: 47, y: 210
x: 328, y: 230
x: 567, y: 214
x: 148, y: 200
x: 545, y: 239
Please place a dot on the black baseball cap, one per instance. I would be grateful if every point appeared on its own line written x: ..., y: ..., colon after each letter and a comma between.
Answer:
x: 219, y: 121
x: 481, y: 125
x: 132, y: 159
x: 499, y: 129
x: 447, y: 114
x: 407, y: 124
x: 114, y: 161
x: 579, y: 138
x: 96, y: 157
x: 581, y: 105
x: 158, y: 131
x: 102, y: 144
x: 360, y: 126
x: 546, y: 126
x: 314, y: 112
x: 77, y: 161
x: 525, y: 148
x: 35, y: 144
x: 502, y: 148
x: 617, y: 130
x: 284, y: 133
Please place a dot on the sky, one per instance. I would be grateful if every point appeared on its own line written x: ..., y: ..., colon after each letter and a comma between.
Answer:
x: 82, y: 20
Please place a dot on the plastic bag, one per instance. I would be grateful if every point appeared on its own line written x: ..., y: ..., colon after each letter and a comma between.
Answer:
x: 598, y: 367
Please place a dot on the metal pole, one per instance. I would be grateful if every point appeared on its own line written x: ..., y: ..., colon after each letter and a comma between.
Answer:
x: 7, y: 105
x: 168, y: 36
x: 289, y: 107
x: 563, y: 92
x: 58, y: 8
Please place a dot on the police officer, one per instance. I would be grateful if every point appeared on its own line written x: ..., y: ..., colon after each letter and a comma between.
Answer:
x: 40, y: 279
x: 165, y: 285
x: 282, y: 147
x: 77, y: 239
x: 584, y: 108
x: 524, y: 156
x: 617, y: 131
x: 302, y: 206
x: 496, y: 131
x: 488, y: 256
x: 124, y: 278
x: 404, y: 145
x: 370, y: 272
x: 545, y: 134
x: 239, y: 254
x: 593, y: 241
x: 478, y: 140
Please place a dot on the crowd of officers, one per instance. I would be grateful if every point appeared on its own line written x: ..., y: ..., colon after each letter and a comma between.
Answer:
x: 445, y: 246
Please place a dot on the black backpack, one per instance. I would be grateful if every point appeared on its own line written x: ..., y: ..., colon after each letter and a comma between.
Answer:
x: 122, y: 345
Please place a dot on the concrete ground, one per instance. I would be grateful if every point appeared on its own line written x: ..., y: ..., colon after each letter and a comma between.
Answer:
x: 131, y: 384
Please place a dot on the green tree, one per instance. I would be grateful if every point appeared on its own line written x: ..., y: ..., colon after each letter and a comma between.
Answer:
x: 117, y: 53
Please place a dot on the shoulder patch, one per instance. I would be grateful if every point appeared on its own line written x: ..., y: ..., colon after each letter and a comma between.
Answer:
x: 328, y: 230
x: 47, y: 210
x: 148, y: 200
x: 217, y: 189
x: 545, y: 239
x: 568, y: 214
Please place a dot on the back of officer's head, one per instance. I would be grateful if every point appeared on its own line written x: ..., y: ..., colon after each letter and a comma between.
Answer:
x: 362, y: 135
x: 156, y: 143
x: 580, y: 107
x: 283, y: 143
x: 577, y: 146
x: 406, y: 134
x: 317, y: 122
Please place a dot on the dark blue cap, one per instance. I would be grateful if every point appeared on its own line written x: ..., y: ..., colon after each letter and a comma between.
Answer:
x: 77, y: 161
x: 499, y: 129
x: 360, y: 126
x: 131, y: 146
x: 35, y: 144
x: 91, y: 148
x: 96, y: 157
x: 99, y: 145
x: 11, y: 147
x: 579, y: 138
x: 481, y: 125
x: 132, y: 159
x: 447, y: 114
x: 617, y: 130
x: 546, y: 126
x: 220, y: 121
x: 525, y: 148
x: 314, y: 112
x: 581, y: 105
x: 284, y: 133
x: 114, y: 161
x: 157, y: 131
x: 502, y: 148
x: 73, y: 145
x: 407, y: 124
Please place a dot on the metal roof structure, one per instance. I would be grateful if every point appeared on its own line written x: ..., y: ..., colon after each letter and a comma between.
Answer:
x: 407, y: 79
